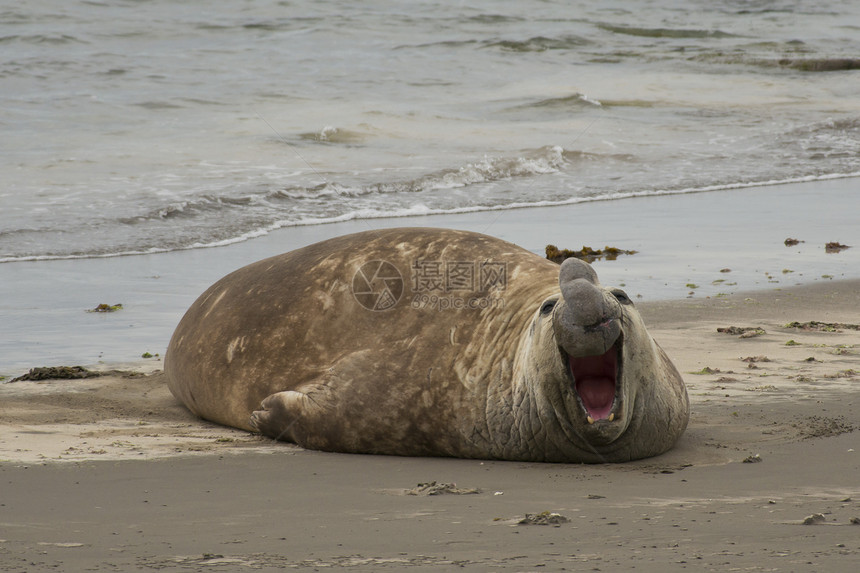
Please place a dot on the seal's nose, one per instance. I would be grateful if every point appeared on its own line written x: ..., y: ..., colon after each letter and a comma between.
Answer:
x: 586, y: 302
x: 573, y: 268
x: 586, y: 322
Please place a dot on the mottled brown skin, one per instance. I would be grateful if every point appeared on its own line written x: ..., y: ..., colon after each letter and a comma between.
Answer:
x: 496, y: 382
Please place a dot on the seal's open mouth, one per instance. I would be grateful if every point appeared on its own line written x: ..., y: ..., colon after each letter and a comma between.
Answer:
x: 595, y: 381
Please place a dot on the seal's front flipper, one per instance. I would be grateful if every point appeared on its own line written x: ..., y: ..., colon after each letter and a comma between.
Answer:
x: 286, y: 415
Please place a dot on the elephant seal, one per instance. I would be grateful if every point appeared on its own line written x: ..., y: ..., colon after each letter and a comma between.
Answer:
x: 429, y: 342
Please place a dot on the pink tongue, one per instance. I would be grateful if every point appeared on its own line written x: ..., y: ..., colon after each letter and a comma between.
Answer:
x: 597, y: 395
x: 594, y: 378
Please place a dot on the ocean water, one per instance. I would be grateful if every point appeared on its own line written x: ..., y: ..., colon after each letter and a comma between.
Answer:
x: 143, y: 127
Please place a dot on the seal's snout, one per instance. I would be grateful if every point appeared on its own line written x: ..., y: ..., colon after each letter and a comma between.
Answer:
x: 586, y: 305
x: 587, y: 323
x: 573, y: 269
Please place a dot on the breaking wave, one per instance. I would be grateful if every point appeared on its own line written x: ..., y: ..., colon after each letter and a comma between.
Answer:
x: 417, y: 209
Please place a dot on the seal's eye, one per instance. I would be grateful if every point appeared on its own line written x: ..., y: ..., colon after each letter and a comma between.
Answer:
x: 621, y: 296
x: 547, y: 307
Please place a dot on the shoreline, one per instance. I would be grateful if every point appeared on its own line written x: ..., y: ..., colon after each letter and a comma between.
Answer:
x: 419, y: 212
x: 680, y: 253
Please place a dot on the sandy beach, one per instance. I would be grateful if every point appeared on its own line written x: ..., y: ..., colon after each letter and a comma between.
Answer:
x: 110, y: 473
x: 152, y: 148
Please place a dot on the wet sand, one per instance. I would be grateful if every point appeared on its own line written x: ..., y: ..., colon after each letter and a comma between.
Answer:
x: 682, y: 244
x: 111, y: 474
